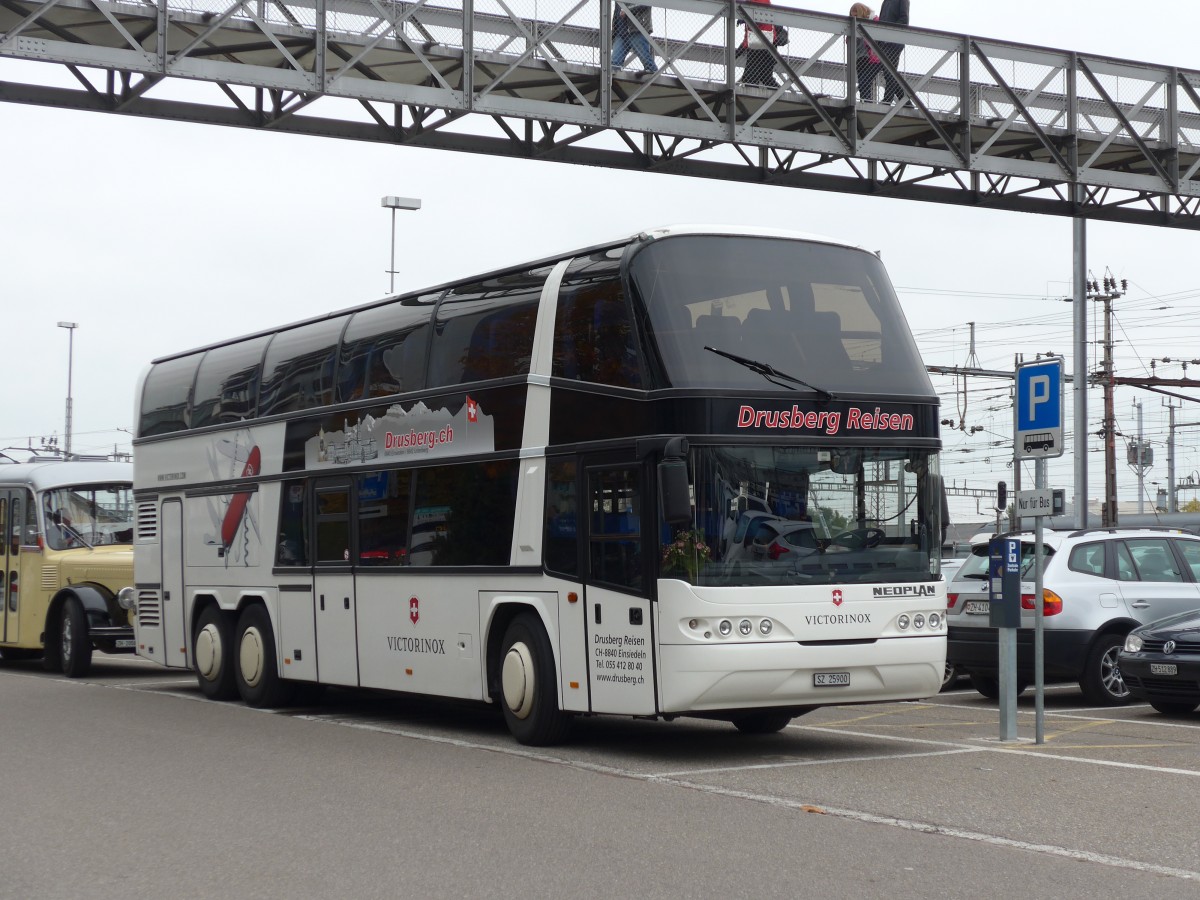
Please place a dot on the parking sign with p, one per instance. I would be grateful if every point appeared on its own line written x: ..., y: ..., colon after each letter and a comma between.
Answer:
x: 1039, y: 419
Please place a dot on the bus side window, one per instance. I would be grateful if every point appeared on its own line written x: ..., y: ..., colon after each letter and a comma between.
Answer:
x: 562, y: 516
x: 383, y: 514
x: 30, y: 532
x: 4, y: 519
x: 292, y: 548
x: 615, y: 542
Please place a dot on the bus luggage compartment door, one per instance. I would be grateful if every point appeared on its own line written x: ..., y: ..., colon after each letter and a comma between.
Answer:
x: 175, y: 638
x: 620, y: 653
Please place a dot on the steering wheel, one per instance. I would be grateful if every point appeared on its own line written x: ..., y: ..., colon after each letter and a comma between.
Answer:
x: 860, y: 538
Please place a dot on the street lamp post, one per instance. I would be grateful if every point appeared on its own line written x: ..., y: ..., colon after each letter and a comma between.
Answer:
x: 70, y: 326
x: 395, y: 203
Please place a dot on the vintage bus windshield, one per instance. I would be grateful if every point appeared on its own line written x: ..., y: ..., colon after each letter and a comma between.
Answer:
x: 808, y: 516
x: 823, y: 313
x: 88, y: 515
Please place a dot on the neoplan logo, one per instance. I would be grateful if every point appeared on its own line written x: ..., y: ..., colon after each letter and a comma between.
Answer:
x: 905, y: 590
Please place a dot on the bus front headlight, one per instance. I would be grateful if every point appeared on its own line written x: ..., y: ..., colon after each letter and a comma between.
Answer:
x: 127, y: 599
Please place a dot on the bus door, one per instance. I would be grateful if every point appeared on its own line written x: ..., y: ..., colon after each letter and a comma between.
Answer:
x: 9, y: 557
x: 617, y: 589
x: 174, y: 640
x: 333, y: 583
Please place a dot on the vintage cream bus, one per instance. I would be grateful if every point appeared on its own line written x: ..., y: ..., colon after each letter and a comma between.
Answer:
x: 67, y: 554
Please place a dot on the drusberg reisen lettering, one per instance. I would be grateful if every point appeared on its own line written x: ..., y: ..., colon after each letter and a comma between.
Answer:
x: 827, y: 421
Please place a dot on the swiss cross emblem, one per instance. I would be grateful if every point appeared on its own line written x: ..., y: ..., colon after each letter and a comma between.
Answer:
x: 837, y: 598
x: 472, y: 410
x: 414, y: 611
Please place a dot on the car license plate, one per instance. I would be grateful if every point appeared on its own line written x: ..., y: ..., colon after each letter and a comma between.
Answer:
x: 125, y: 644
x: 976, y: 608
x: 1164, y: 669
x: 831, y: 679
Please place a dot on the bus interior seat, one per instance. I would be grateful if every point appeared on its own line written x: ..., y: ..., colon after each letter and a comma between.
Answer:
x: 821, y: 342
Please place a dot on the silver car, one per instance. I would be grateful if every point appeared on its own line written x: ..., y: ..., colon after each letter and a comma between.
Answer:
x: 1098, y: 585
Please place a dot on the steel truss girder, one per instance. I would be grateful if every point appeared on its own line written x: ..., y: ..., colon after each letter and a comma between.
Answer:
x: 985, y: 123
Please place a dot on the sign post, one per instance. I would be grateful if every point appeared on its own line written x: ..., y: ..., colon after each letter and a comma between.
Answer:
x: 1038, y: 435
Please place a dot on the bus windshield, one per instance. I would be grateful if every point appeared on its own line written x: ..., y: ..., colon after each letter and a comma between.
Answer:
x: 821, y: 313
x: 810, y: 515
x: 86, y: 515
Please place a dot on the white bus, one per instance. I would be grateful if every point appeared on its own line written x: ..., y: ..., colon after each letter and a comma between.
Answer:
x: 682, y: 473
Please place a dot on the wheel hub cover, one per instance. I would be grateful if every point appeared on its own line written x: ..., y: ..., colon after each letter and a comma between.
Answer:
x: 251, y: 657
x: 208, y: 652
x: 517, y: 680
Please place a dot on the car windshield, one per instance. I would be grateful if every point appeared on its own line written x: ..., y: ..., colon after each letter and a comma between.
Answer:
x: 809, y: 515
x: 88, y: 515
x: 975, y: 566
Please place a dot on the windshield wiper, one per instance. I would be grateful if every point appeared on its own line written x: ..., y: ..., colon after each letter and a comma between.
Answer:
x: 770, y: 373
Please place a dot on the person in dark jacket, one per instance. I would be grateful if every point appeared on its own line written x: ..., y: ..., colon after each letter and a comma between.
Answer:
x: 893, y: 12
x: 628, y: 38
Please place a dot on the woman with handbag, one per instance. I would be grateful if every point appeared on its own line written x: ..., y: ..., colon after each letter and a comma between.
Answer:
x: 759, y: 66
x: 866, y: 62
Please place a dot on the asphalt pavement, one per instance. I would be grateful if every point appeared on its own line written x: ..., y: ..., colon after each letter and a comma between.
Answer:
x: 128, y: 784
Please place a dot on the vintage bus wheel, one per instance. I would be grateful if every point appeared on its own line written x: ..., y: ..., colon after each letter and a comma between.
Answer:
x: 256, y: 670
x: 214, y: 655
x: 528, y: 693
x: 76, y: 647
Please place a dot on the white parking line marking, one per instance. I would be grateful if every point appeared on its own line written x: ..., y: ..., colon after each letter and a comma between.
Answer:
x: 1103, y: 859
x: 1026, y: 750
x: 838, y: 761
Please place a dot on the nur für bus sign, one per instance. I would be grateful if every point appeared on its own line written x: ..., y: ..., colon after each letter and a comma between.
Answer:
x: 1039, y: 413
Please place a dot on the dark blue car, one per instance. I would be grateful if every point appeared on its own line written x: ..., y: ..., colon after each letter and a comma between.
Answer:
x: 1161, y: 663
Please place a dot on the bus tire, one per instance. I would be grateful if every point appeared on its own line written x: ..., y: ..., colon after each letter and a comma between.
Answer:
x: 256, y: 668
x: 76, y: 646
x: 528, y: 686
x: 213, y: 643
x: 762, y: 722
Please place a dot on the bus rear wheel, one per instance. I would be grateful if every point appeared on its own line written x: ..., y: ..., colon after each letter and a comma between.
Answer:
x: 213, y: 643
x: 76, y: 647
x: 256, y: 669
x: 528, y: 688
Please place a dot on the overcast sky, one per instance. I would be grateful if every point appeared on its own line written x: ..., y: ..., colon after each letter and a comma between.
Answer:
x: 156, y: 237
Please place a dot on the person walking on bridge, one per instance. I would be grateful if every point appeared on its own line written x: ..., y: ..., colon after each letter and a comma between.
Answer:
x: 893, y: 12
x: 628, y: 38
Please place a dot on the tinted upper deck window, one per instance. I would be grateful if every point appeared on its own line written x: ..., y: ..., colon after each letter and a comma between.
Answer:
x: 227, y: 383
x: 165, y: 396
x: 594, y: 336
x: 485, y: 330
x: 384, y: 349
x: 299, y: 366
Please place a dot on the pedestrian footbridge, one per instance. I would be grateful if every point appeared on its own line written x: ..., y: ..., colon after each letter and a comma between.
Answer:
x: 983, y: 122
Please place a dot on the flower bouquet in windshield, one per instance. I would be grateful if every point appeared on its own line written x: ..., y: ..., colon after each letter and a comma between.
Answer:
x: 686, y: 555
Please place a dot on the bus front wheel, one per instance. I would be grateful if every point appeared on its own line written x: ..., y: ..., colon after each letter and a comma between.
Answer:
x: 256, y: 669
x: 76, y: 646
x: 214, y: 655
x: 528, y: 689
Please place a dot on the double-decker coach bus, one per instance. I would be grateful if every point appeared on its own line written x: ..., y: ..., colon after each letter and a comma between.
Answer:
x: 682, y: 473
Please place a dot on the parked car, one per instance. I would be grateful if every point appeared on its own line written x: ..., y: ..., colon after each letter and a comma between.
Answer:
x: 784, y: 540
x: 1160, y: 663
x: 1098, y: 586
